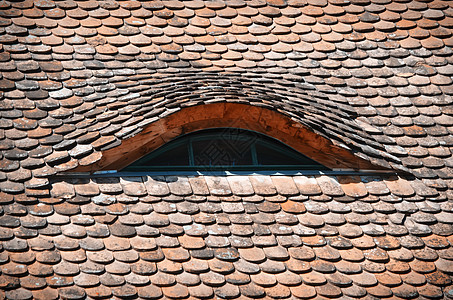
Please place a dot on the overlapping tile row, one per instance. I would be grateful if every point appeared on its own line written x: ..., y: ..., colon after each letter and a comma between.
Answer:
x: 78, y: 77
x: 229, y: 237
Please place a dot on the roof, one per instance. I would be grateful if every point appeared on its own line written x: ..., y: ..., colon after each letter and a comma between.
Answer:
x: 79, y: 77
x: 82, y: 79
x: 229, y: 237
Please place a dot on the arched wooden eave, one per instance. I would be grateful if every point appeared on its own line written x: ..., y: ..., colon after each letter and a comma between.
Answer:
x: 215, y: 115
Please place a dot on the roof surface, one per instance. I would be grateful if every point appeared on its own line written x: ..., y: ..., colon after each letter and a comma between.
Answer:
x: 229, y: 237
x: 80, y: 77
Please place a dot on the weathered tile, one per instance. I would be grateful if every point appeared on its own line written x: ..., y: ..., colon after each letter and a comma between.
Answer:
x: 263, y: 185
x: 133, y: 186
x: 179, y: 185
x: 240, y: 185
x: 156, y: 186
x: 353, y: 186
x: 399, y: 187
x: 330, y: 186
x: 285, y: 185
x: 218, y: 186
x: 307, y: 185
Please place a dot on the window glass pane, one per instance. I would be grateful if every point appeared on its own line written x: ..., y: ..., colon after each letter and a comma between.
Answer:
x: 276, y: 155
x: 224, y: 147
x: 178, y: 156
x: 221, y: 152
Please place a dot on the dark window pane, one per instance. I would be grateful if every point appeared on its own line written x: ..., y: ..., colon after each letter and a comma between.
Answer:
x: 178, y: 156
x: 279, y: 155
x: 224, y: 147
x: 221, y: 152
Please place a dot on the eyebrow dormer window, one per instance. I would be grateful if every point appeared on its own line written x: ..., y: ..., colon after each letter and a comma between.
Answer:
x: 224, y: 149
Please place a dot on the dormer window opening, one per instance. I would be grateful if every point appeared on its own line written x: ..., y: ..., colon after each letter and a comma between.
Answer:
x: 224, y: 149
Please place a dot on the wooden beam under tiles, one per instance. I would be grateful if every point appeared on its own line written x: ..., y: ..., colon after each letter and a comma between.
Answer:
x: 215, y: 115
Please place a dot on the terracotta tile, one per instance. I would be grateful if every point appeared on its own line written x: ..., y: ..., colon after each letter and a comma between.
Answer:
x: 436, y: 242
x: 430, y: 291
x: 346, y: 267
x: 188, y: 279
x: 327, y: 253
x: 251, y: 290
x: 388, y: 279
x: 405, y: 291
x: 337, y: 242
x: 190, y: 243
x: 387, y: 242
x: 226, y: 254
x: 364, y: 279
x: 133, y: 186
x: 303, y: 291
x: 285, y: 185
x: 307, y: 185
x: 329, y: 290
x: 227, y: 291
x: 373, y: 267
x: 379, y: 291
x: 268, y: 207
x: 240, y: 185
x: 86, y: 280
x: 221, y: 267
x: 126, y: 290
x: 156, y: 186
x: 117, y: 243
x: 62, y: 190
x: 218, y: 186
x: 263, y: 279
x: 311, y: 220
x: 353, y: 186
x: 322, y: 266
x: 89, y: 189
x: 263, y: 185
x: 77, y: 256
x: 179, y: 185
x: 212, y: 279
x: 398, y: 267
x: 399, y: 187
x: 314, y: 240
x: 364, y: 242
x: 262, y: 241
x: 293, y: 207
x: 217, y: 241
x: 313, y: 278
x: 422, y: 267
x: 252, y: 254
x: 67, y: 209
x: 413, y: 278
x: 276, y: 253
x: 46, y: 293
x: 198, y: 185
x: 239, y: 277
x: 376, y: 255
x: 75, y: 292
x: 278, y: 291
x: 330, y: 186
x: 100, y: 256
x: 200, y: 291
x: 316, y: 207
x: 99, y: 291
